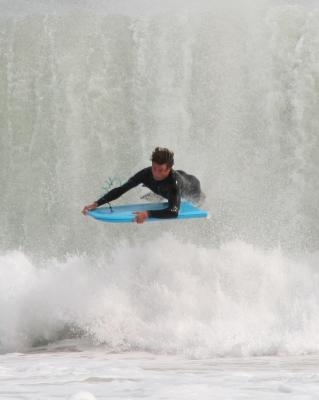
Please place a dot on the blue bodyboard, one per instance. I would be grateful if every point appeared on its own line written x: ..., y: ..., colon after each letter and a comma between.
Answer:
x: 125, y: 213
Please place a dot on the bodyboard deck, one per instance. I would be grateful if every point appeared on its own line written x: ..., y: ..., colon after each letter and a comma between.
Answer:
x: 124, y: 213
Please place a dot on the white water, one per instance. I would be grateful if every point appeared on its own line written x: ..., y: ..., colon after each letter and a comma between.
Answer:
x: 233, y: 301
x: 86, y: 92
x: 90, y: 375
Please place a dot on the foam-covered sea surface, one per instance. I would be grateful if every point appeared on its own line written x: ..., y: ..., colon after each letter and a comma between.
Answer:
x: 223, y: 308
x: 83, y: 374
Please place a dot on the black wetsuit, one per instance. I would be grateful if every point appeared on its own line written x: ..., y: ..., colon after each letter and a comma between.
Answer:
x: 177, y: 185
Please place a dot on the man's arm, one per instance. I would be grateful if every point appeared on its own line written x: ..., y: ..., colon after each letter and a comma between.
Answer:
x: 117, y: 192
x: 174, y: 203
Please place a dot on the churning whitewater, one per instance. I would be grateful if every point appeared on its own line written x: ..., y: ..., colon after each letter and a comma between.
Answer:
x: 237, y: 300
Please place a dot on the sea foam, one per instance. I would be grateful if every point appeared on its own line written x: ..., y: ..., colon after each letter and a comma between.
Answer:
x: 165, y: 296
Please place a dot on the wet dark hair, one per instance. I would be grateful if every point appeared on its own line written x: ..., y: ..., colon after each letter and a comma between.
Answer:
x: 161, y: 155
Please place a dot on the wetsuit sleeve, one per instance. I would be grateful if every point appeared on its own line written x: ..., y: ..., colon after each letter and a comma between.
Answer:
x: 174, y: 203
x: 118, y: 191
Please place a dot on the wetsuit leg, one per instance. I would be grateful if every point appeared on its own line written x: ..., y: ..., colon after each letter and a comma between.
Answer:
x: 191, y: 189
x: 195, y: 193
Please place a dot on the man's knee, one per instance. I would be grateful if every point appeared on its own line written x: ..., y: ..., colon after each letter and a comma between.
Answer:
x: 196, y: 194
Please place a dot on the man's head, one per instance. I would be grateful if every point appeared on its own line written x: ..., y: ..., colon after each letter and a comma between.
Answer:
x: 162, y: 163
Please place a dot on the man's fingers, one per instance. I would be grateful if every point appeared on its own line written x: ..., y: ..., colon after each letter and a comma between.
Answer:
x: 85, y: 210
x: 138, y: 218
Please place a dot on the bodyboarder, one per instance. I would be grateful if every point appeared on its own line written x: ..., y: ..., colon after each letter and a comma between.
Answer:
x: 163, y: 180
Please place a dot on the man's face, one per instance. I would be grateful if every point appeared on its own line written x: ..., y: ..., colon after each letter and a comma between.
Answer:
x: 160, y: 171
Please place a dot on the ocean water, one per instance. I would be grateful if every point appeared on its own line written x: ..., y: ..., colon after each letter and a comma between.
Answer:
x: 83, y: 374
x: 223, y: 308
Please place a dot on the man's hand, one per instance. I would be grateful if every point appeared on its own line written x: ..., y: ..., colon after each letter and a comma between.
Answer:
x: 88, y: 208
x: 140, y: 216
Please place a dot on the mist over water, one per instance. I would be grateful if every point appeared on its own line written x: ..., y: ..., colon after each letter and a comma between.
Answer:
x: 86, y: 93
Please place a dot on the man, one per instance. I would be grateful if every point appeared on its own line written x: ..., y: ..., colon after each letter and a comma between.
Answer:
x: 162, y: 179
